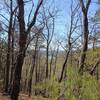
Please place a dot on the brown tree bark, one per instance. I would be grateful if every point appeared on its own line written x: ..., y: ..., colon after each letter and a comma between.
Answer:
x: 85, y: 34
x: 12, y: 56
x: 95, y: 66
x: 64, y: 64
x: 32, y: 68
x: 21, y: 53
x: 47, y: 60
x: 8, y: 62
x: 22, y: 46
x: 51, y: 62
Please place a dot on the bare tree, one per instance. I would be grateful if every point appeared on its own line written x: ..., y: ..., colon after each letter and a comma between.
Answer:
x: 22, y: 46
x: 55, y: 62
x: 51, y: 60
x: 34, y: 58
x: 85, y: 33
x: 49, y: 22
x: 8, y: 62
x: 73, y: 27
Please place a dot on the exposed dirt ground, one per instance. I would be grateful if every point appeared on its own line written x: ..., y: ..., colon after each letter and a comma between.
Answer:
x: 22, y: 97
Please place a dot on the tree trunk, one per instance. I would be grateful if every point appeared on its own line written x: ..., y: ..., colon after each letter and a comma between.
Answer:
x: 21, y: 53
x: 22, y: 46
x: 39, y: 63
x: 32, y: 68
x: 30, y: 76
x: 12, y: 57
x: 95, y: 66
x: 36, y: 71
x: 64, y: 66
x: 47, y: 55
x: 7, y: 64
x: 7, y: 69
x: 56, y: 57
x: 85, y: 44
x: 17, y: 75
x: 85, y: 34
x: 51, y: 61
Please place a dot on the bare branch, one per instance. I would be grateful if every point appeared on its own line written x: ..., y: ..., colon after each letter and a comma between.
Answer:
x: 34, y: 17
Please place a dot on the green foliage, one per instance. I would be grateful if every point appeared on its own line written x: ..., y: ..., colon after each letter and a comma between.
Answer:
x: 92, y: 56
x: 90, y: 88
x: 84, y: 87
x: 75, y: 87
x: 72, y: 84
x: 52, y: 88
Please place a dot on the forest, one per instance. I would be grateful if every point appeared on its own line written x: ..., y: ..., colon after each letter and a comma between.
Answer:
x: 49, y: 49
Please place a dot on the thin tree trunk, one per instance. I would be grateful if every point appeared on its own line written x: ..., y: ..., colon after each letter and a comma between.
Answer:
x: 12, y: 57
x: 25, y: 81
x: 51, y: 61
x: 32, y: 68
x: 39, y: 61
x: 56, y: 57
x: 36, y: 71
x: 7, y: 69
x: 64, y: 66
x: 85, y: 44
x: 47, y: 60
x: 12, y: 65
x: 95, y: 66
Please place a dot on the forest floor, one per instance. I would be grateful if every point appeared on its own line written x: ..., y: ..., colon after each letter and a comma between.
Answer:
x: 22, y: 97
